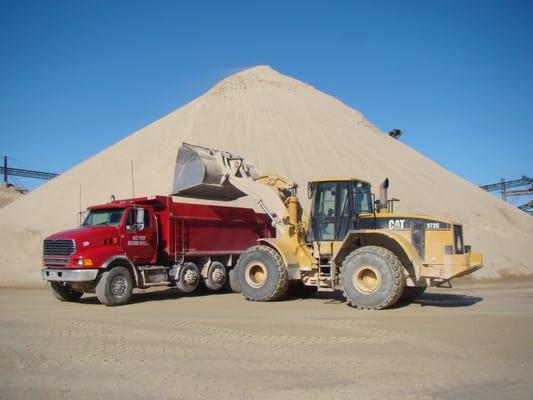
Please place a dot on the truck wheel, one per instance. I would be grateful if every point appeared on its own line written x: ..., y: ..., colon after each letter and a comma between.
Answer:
x: 114, y: 287
x: 64, y: 293
x: 261, y: 274
x: 412, y: 293
x: 216, y: 276
x: 188, y: 277
x: 372, y: 277
x: 232, y: 285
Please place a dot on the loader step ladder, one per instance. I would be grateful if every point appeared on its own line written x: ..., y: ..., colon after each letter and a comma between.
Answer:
x: 324, y: 274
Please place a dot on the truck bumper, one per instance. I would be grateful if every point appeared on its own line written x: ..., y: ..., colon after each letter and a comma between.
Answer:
x: 455, y: 266
x: 69, y: 275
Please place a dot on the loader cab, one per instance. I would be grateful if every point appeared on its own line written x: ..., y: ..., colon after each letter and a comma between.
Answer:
x: 335, y: 207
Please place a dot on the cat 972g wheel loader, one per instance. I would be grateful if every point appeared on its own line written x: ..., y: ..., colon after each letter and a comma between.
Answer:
x: 348, y: 242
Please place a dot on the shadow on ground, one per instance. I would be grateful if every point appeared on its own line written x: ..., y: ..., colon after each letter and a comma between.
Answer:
x: 427, y: 299
x: 447, y: 300
x: 156, y: 295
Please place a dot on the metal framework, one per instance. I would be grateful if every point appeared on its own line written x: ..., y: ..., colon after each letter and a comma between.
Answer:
x: 25, y: 173
x: 503, y: 187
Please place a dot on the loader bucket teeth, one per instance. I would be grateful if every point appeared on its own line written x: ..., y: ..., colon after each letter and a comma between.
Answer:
x: 202, y: 173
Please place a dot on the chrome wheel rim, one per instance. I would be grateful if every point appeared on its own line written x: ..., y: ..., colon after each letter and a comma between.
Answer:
x: 190, y: 277
x: 119, y: 286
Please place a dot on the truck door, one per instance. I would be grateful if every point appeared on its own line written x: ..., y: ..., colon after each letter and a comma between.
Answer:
x: 140, y: 235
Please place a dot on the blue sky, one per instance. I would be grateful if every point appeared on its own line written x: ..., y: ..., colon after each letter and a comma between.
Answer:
x: 455, y: 76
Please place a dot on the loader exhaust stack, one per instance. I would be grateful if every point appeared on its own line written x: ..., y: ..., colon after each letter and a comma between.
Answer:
x: 383, y: 196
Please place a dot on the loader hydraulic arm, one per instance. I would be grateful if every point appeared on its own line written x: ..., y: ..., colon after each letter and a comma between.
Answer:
x: 218, y: 175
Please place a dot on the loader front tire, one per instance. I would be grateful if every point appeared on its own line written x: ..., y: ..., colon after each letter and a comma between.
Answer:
x: 232, y: 285
x: 114, y: 287
x: 372, y: 277
x: 261, y: 274
x: 64, y: 293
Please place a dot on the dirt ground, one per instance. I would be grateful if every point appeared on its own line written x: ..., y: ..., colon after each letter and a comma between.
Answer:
x: 470, y: 342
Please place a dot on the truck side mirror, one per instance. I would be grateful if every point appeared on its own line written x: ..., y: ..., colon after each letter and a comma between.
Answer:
x: 139, y: 220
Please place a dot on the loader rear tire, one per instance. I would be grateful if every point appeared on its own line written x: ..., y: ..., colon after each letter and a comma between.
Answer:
x: 372, y: 277
x: 64, y: 293
x: 262, y: 274
x: 412, y: 293
x: 114, y: 287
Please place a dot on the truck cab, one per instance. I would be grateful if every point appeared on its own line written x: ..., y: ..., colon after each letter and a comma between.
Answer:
x: 106, y: 231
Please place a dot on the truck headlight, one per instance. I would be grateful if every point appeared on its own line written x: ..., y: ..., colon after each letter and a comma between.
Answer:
x: 84, y: 262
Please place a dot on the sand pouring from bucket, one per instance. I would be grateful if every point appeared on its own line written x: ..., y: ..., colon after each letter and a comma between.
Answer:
x: 203, y: 173
x: 211, y: 174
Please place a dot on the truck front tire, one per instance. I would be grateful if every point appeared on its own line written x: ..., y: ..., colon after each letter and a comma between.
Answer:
x: 372, y: 277
x: 115, y: 287
x: 64, y: 292
x: 262, y: 274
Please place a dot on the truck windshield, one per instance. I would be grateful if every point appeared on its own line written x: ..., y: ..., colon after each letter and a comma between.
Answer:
x: 362, y: 197
x: 110, y: 217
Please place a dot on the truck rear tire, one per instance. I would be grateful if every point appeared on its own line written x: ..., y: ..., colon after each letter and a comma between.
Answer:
x: 188, y: 278
x: 64, y: 293
x: 372, y: 277
x: 262, y: 274
x: 216, y: 276
x: 412, y: 293
x: 114, y: 287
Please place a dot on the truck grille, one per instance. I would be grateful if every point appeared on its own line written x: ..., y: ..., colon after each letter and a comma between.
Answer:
x: 458, y: 239
x: 59, y: 247
x: 56, y: 261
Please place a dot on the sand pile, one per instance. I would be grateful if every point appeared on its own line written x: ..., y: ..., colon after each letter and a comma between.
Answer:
x: 284, y: 126
x: 10, y: 193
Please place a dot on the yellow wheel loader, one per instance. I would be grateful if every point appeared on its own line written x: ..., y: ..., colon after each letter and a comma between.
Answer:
x: 349, y: 242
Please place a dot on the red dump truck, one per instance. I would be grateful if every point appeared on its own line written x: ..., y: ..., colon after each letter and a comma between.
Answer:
x: 143, y: 242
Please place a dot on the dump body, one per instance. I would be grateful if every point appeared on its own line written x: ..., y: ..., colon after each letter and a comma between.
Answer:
x: 151, y: 237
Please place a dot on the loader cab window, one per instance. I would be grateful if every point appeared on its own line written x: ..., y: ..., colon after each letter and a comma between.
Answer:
x: 362, y: 198
x: 331, y: 211
x: 138, y: 219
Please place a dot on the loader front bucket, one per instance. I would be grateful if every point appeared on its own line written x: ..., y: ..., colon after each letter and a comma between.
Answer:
x: 202, y: 173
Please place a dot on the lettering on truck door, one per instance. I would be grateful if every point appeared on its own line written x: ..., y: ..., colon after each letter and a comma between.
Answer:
x: 140, y: 235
